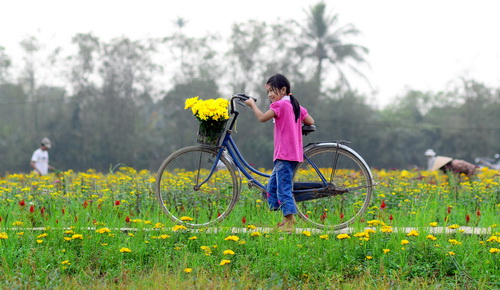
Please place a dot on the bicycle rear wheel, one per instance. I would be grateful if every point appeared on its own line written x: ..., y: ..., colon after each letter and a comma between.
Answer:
x: 346, y: 172
x: 177, y: 189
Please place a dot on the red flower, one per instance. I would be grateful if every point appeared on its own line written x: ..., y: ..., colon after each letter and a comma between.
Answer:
x: 127, y: 219
x: 390, y: 217
x: 478, y: 212
x: 117, y: 202
x: 244, y: 220
x: 449, y: 209
x: 22, y: 203
x: 85, y: 204
x: 63, y: 211
x: 42, y: 210
x: 218, y: 214
x: 467, y: 218
x: 382, y: 205
x: 32, y: 208
x: 323, y: 216
x: 94, y: 221
x: 341, y: 215
x: 0, y: 219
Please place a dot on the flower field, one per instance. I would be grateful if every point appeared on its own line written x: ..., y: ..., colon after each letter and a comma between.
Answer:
x: 102, y: 230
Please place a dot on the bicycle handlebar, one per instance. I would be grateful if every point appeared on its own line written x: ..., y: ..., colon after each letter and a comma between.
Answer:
x: 239, y: 97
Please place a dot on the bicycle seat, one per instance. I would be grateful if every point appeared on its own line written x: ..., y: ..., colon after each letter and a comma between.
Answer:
x: 307, y: 129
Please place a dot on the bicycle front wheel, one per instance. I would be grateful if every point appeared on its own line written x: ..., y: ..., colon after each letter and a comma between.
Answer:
x: 350, y: 181
x: 184, y: 198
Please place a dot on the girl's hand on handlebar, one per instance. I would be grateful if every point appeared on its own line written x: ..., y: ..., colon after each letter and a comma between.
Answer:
x: 250, y: 102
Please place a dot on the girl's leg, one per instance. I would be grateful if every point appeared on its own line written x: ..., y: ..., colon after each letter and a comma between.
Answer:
x: 272, y: 197
x: 284, y: 174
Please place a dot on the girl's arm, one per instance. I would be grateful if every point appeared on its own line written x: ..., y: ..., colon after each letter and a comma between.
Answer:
x: 263, y: 117
x: 308, y: 120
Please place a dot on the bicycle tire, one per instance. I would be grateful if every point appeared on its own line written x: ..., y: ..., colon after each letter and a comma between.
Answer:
x: 181, y: 172
x: 343, y: 168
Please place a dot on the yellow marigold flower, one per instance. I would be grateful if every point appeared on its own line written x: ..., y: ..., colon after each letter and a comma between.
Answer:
x: 228, y: 252
x: 188, y: 270
x: 493, y: 239
x: 164, y: 236
x: 306, y: 233
x: 19, y: 234
x: 178, y: 227
x: 242, y: 242
x: 66, y: 262
x: 386, y: 251
x: 251, y: 227
x: 413, y: 233
x: 70, y: 232
x: 256, y: 234
x: 3, y: 236
x: 104, y: 244
x: 39, y: 241
x: 77, y: 236
x: 232, y: 238
x: 370, y: 231
x: 125, y: 250
x: 190, y: 102
x: 453, y: 227
x: 369, y: 257
x: 375, y: 222
x: 404, y: 242
x: 42, y: 236
x: 67, y: 238
x: 494, y: 250
x: 362, y: 234
x: 324, y: 237
x: 186, y: 218
x: 433, y: 224
x: 131, y: 234
x: 431, y: 237
x: 451, y: 253
x: 17, y: 223
x: 224, y: 262
x: 343, y: 236
x: 193, y: 238
x: 454, y: 242
x: 102, y: 231
x: 159, y: 225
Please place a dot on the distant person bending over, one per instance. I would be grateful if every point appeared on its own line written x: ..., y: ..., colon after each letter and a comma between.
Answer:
x: 40, y: 159
x: 288, y: 152
x: 447, y: 164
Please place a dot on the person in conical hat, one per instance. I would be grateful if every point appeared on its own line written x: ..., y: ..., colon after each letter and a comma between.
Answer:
x: 454, y: 165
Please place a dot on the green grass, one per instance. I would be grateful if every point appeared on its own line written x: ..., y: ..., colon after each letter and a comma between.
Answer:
x: 72, y: 249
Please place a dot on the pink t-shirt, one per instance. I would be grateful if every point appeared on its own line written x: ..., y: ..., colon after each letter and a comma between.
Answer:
x: 287, y: 132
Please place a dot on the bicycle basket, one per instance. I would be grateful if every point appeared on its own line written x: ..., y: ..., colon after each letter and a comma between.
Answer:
x: 210, y: 132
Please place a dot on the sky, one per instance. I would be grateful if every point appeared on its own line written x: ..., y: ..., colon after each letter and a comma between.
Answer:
x: 427, y: 45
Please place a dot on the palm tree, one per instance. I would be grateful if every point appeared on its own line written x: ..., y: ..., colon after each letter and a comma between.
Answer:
x: 322, y: 41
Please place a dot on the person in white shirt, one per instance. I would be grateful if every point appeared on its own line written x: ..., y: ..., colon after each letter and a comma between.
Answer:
x: 40, y: 159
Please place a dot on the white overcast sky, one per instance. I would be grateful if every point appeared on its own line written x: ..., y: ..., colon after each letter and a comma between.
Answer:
x: 423, y: 45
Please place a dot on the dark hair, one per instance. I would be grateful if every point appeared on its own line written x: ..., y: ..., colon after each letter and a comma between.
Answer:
x: 277, y: 82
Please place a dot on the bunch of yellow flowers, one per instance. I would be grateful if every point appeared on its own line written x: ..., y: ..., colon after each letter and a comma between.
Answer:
x: 208, y: 110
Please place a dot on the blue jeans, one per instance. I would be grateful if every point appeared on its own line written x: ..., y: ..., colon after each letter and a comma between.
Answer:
x: 279, y: 187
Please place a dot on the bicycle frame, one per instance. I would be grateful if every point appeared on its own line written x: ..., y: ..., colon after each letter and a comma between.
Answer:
x: 302, y: 190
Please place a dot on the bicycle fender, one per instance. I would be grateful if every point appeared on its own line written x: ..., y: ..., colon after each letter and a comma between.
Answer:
x: 311, y: 146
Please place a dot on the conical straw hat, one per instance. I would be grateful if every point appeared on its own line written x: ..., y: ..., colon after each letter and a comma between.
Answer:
x: 440, y: 162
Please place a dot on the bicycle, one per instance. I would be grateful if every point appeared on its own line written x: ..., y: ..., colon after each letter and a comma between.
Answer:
x: 198, y: 186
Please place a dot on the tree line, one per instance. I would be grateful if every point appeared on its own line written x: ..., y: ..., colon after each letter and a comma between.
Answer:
x: 121, y: 102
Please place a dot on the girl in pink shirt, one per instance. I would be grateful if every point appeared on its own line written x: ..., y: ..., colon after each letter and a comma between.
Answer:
x: 288, y: 119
